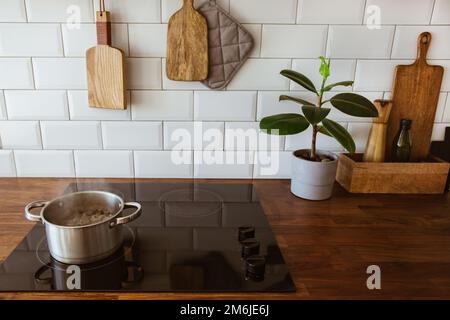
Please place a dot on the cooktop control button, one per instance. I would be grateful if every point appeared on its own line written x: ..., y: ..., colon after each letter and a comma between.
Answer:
x: 246, y: 232
x: 255, y: 268
x: 250, y: 248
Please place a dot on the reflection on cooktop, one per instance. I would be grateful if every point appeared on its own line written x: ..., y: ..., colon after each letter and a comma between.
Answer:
x: 191, y: 237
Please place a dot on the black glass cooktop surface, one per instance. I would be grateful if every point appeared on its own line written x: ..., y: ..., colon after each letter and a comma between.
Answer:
x: 191, y: 237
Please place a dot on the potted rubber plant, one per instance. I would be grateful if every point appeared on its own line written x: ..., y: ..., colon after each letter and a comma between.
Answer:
x: 313, y: 170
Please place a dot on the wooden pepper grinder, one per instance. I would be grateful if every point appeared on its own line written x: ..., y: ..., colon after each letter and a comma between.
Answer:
x: 376, y: 145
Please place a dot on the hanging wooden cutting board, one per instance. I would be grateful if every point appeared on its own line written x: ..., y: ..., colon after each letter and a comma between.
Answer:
x: 415, y: 96
x: 187, y: 45
x: 105, y: 69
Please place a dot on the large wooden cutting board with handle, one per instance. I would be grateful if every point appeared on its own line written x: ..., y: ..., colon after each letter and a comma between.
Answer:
x: 415, y: 96
x: 187, y: 45
x: 105, y: 69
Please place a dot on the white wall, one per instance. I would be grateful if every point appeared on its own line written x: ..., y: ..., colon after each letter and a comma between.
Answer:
x: 47, y: 128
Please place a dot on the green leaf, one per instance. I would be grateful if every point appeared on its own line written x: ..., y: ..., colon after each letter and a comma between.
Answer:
x: 297, y: 100
x: 354, y: 105
x: 286, y: 124
x: 315, y: 115
x: 300, y: 79
x: 325, y: 67
x: 324, y: 131
x: 340, y: 134
x: 337, y: 84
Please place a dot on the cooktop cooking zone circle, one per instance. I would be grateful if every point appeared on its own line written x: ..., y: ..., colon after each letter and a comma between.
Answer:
x: 212, y: 202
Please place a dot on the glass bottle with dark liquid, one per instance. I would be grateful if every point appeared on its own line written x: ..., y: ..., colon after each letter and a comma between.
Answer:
x: 401, y: 149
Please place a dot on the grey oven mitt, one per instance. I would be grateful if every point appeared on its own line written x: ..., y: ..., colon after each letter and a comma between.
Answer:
x: 230, y: 45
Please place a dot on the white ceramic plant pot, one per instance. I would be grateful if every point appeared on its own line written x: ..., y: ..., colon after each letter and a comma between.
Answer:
x: 313, y: 180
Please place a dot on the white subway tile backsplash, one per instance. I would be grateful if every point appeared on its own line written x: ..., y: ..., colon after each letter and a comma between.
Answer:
x: 180, y: 135
x: 303, y: 141
x: 163, y: 164
x: 13, y: 11
x: 269, y: 104
x: 148, y: 40
x: 59, y: 11
x: 341, y: 70
x: 446, y: 81
x: 256, y: 32
x: 440, y: 110
x: 44, y: 163
x: 144, y: 73
x: 264, y: 11
x: 16, y: 73
x: 403, y: 11
x: 7, y: 165
x: 162, y: 105
x: 60, y: 73
x: 37, y: 105
x: 330, y: 11
x: 2, y: 107
x: 376, y: 75
x: 25, y: 40
x: 446, y: 115
x: 225, y: 105
x: 273, y: 165
x: 439, y: 131
x: 405, y: 42
x: 241, y: 136
x: 441, y: 13
x: 78, y: 40
x: 104, y: 164
x: 43, y: 84
x: 135, y: 135
x: 246, y: 136
x: 71, y: 135
x: 261, y: 74
x: 80, y: 110
x: 196, y: 135
x: 223, y: 164
x: 274, y: 46
x: 20, y: 135
x: 360, y: 133
x: 133, y: 11
x: 169, y: 7
x: 360, y: 42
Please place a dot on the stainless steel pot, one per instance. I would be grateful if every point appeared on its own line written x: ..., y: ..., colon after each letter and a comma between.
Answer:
x: 77, y: 243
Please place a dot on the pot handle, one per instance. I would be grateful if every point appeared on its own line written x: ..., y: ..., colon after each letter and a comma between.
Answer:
x: 128, y: 218
x: 31, y: 216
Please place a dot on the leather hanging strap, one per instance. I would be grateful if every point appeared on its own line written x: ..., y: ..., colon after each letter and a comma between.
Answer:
x: 103, y: 25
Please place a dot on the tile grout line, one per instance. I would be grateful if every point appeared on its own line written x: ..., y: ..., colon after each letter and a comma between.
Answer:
x: 393, y: 43
x: 13, y: 153
x: 433, y: 8
x: 26, y: 11
x: 73, y: 164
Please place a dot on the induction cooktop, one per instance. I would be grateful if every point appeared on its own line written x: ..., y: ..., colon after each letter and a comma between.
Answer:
x: 191, y: 237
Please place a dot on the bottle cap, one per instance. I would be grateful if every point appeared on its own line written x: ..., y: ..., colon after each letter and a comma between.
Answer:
x: 406, y: 123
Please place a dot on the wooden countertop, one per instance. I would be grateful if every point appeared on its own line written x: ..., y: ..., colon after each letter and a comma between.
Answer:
x: 327, y: 245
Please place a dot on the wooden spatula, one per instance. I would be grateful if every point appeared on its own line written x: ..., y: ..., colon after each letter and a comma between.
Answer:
x: 415, y: 96
x: 105, y: 69
x: 187, y: 45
